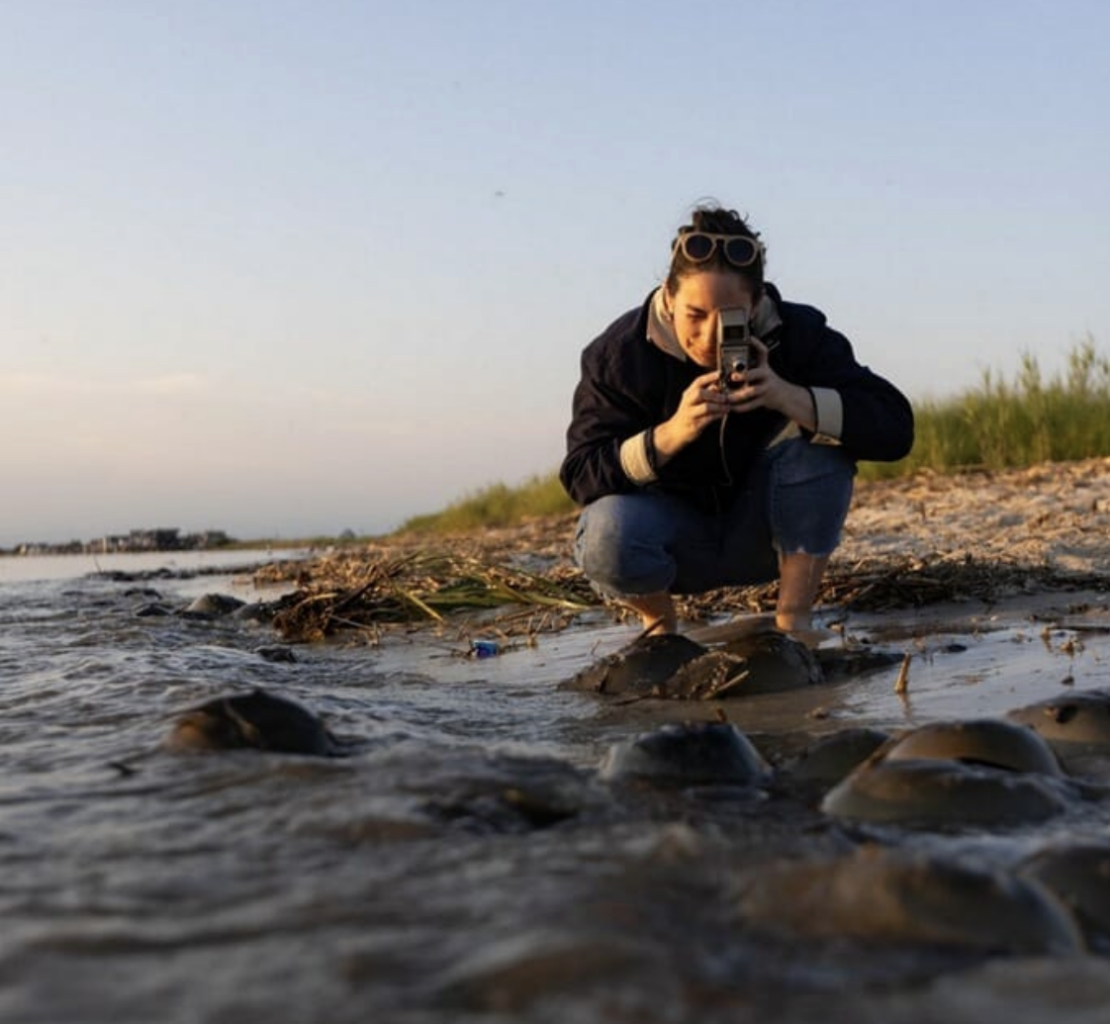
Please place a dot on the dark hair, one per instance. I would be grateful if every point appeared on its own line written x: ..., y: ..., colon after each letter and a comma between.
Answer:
x: 715, y: 220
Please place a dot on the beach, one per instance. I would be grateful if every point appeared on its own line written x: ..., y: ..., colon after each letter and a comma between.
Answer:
x: 986, y: 535
x: 480, y: 855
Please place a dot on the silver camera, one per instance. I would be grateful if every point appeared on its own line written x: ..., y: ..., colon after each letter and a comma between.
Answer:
x: 734, y: 347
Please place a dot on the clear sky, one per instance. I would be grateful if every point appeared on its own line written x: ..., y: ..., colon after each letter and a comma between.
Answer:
x: 287, y: 268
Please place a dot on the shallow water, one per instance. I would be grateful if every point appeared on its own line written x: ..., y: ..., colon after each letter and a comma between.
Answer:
x: 466, y: 863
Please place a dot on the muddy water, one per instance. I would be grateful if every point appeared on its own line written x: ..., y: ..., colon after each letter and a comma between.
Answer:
x: 466, y: 863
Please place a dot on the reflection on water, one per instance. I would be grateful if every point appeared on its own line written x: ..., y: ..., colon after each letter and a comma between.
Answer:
x: 466, y: 861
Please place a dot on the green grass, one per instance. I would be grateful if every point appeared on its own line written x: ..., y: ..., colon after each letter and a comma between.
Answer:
x: 1007, y: 424
x: 497, y: 505
x: 998, y: 425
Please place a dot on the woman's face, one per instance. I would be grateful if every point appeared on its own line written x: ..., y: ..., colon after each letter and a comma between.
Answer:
x: 694, y: 306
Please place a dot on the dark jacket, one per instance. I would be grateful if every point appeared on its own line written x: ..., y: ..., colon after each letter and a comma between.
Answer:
x: 629, y: 384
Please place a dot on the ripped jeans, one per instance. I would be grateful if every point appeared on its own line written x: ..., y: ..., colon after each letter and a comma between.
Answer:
x: 796, y: 501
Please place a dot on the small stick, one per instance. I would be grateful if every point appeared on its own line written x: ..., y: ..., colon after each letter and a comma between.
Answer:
x: 902, y: 683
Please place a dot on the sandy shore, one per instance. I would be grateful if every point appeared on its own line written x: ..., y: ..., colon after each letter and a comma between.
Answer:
x: 979, y: 560
x: 908, y: 542
x: 1054, y: 514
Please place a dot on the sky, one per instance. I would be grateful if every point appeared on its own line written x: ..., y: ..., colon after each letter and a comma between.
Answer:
x: 291, y: 268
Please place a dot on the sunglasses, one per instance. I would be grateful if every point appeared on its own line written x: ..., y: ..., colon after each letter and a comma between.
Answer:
x: 699, y: 246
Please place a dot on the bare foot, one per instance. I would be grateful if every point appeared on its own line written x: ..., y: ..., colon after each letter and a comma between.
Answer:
x: 657, y: 612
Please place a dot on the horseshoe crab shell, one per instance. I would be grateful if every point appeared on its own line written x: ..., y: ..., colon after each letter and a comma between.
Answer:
x: 647, y: 663
x: 938, y: 793
x: 830, y: 758
x: 703, y: 753
x: 675, y: 667
x: 888, y: 896
x: 212, y: 606
x: 767, y: 661
x: 984, y: 741
x: 257, y: 719
x: 1079, y: 875
x: 1072, y: 723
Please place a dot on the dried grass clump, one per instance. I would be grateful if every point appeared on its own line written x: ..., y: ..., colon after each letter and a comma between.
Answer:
x: 348, y: 592
x: 888, y: 583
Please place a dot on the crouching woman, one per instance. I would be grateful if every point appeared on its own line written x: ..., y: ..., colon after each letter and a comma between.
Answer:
x: 690, y: 481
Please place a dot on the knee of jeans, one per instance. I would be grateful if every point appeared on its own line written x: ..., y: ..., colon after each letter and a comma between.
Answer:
x: 615, y: 556
x: 810, y: 497
x: 799, y: 461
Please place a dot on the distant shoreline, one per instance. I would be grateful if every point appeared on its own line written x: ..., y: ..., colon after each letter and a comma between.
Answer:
x: 87, y: 548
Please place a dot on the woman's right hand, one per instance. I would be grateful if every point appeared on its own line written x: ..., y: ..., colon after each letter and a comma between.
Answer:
x: 702, y: 403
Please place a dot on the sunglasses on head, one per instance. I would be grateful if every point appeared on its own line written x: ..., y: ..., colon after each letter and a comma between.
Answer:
x: 699, y: 246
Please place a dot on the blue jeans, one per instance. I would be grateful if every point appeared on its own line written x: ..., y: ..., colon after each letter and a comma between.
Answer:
x: 796, y: 501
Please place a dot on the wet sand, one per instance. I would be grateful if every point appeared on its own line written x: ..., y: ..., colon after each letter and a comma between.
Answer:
x: 649, y: 924
x: 1012, y: 568
x: 473, y: 861
x: 992, y: 585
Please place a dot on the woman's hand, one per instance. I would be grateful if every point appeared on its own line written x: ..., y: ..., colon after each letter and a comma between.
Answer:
x: 762, y: 388
x: 705, y: 402
x: 702, y: 403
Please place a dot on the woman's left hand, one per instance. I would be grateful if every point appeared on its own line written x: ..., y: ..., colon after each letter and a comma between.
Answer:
x: 765, y: 389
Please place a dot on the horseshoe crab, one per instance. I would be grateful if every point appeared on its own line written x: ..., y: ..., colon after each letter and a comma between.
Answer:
x: 850, y: 662
x: 881, y: 895
x: 1074, y: 724
x: 830, y: 758
x: 212, y: 606
x: 939, y: 793
x: 675, y: 667
x: 704, y: 753
x: 646, y: 663
x: 1079, y: 875
x: 256, y: 720
x: 983, y: 741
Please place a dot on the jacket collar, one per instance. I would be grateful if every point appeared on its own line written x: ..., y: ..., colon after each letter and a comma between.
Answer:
x: 765, y: 321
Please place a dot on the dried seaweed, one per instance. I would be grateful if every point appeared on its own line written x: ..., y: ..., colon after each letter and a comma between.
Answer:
x: 350, y: 593
x: 886, y: 584
x: 478, y: 582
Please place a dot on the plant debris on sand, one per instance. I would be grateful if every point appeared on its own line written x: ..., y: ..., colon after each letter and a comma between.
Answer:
x: 368, y: 590
x: 908, y: 542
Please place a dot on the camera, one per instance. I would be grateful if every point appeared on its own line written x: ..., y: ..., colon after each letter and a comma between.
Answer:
x: 734, y: 349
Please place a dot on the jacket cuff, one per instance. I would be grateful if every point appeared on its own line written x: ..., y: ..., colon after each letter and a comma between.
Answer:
x: 636, y: 460
x: 829, y: 408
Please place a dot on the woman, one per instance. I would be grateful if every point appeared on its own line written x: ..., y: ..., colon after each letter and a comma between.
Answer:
x: 690, y: 483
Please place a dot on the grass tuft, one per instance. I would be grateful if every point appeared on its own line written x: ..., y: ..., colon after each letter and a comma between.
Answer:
x: 496, y: 505
x: 1011, y: 424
